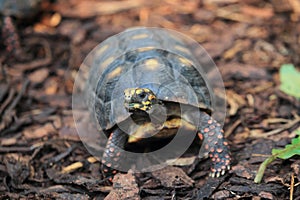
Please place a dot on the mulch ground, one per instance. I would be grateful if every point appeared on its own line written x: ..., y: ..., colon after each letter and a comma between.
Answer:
x: 41, y: 155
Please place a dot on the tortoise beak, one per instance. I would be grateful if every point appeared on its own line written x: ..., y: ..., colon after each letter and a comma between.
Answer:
x: 129, y: 106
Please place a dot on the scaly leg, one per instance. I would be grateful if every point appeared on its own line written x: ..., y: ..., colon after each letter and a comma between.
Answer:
x: 113, y: 152
x: 214, y: 144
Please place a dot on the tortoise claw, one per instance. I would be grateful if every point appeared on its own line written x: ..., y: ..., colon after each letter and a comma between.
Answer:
x: 228, y: 167
x: 217, y: 174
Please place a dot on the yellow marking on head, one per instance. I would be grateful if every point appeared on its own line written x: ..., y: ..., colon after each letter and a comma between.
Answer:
x: 151, y: 64
x: 106, y: 62
x: 136, y: 105
x: 139, y: 91
x: 182, y: 49
x: 129, y: 91
x: 145, y: 49
x: 140, y: 106
x: 114, y: 73
x: 144, y: 108
x: 146, y: 102
x: 185, y: 61
x: 151, y: 97
x: 102, y: 49
x: 140, y: 36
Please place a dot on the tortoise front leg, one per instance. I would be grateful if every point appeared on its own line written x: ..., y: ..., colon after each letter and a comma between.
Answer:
x: 113, y: 152
x: 214, y: 144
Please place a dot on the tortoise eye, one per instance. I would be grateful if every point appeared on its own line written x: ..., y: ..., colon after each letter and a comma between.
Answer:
x: 142, y: 95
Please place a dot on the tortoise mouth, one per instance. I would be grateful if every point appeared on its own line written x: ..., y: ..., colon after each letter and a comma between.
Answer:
x: 130, y: 107
x: 135, y: 106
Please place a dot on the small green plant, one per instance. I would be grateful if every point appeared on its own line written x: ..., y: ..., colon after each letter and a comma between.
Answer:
x: 289, y: 151
x: 290, y: 80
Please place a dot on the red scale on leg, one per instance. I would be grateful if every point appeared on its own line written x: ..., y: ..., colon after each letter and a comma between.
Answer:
x: 211, y: 133
x: 206, y: 130
x: 111, y: 149
x: 116, y: 159
x: 200, y: 136
x: 215, y: 144
x: 113, y: 152
x: 219, y: 150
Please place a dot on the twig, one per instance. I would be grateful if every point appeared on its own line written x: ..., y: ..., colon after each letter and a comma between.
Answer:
x: 9, y: 113
x: 292, y: 186
x: 232, y: 128
x: 15, y: 149
x: 74, y: 166
x: 40, y: 62
x: 40, y: 117
x: 7, y: 101
x: 63, y: 155
x: 284, y: 127
x: 19, y: 96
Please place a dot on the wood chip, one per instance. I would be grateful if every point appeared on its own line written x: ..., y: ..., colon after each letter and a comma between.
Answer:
x: 85, y: 9
x: 39, y: 132
x: 223, y: 194
x: 171, y: 177
x: 241, y: 171
x: 18, y: 167
x: 266, y: 195
x: 240, y: 45
x: 235, y: 102
x: 240, y: 71
x: 8, y: 141
x: 265, y: 13
x: 124, y: 187
x: 51, y: 86
x: 182, y: 161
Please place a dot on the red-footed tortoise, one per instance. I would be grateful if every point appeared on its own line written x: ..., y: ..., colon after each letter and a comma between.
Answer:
x: 153, y: 82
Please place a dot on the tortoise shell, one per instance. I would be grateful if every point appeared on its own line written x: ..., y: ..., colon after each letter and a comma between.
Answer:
x: 143, y: 57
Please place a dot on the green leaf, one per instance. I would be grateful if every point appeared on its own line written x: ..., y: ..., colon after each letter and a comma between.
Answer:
x: 289, y: 151
x: 290, y: 80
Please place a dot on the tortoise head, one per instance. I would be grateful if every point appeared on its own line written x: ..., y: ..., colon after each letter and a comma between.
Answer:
x: 139, y: 99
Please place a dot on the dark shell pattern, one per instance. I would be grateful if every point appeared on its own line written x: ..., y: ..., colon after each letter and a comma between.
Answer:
x: 153, y: 58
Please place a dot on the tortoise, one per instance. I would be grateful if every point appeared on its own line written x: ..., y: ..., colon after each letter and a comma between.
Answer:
x: 148, y: 77
x: 19, y: 9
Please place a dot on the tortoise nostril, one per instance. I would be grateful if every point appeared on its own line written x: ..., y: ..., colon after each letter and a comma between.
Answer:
x: 127, y: 97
